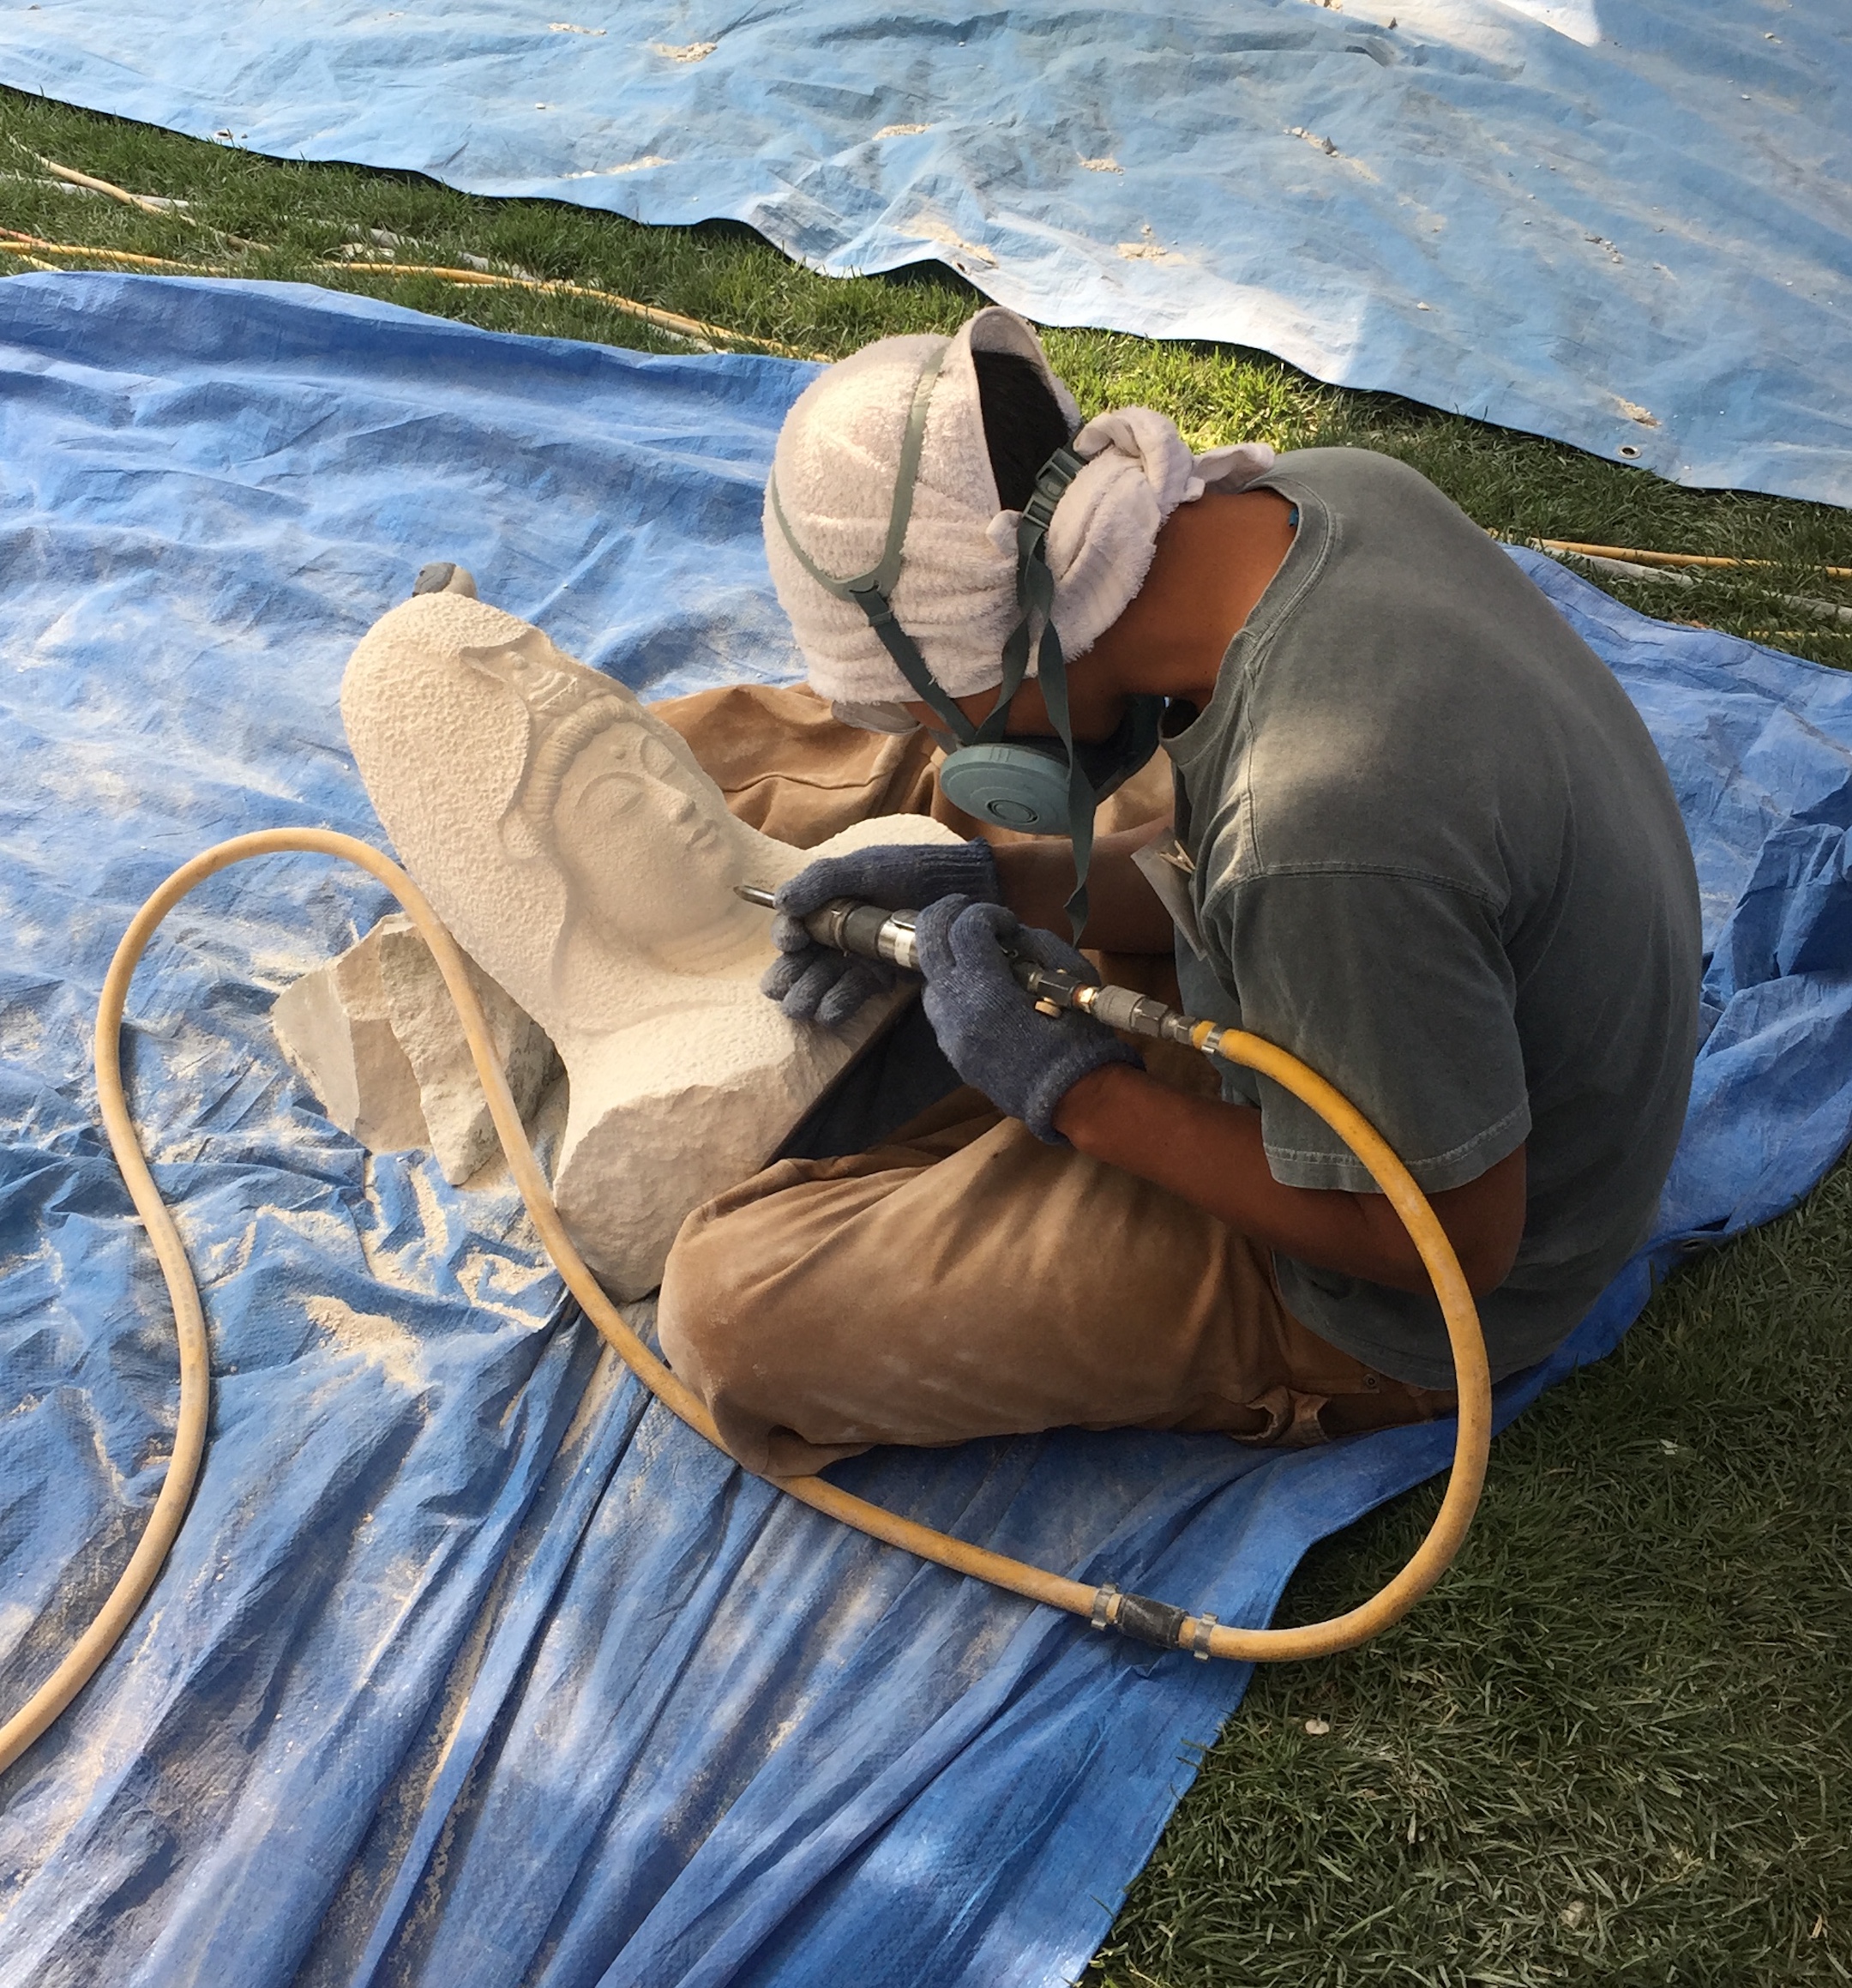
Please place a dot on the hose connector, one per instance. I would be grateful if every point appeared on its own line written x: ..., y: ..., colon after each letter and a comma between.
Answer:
x: 1140, y: 1618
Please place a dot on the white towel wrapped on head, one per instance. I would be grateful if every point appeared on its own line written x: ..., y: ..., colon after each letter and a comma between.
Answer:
x: 835, y: 466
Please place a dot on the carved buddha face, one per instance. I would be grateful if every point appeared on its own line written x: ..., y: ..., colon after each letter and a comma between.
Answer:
x: 613, y: 803
x: 649, y: 852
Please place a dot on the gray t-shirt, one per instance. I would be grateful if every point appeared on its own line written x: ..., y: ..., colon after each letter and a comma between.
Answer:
x: 1437, y: 858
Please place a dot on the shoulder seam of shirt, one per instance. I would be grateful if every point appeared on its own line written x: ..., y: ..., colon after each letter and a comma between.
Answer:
x: 1428, y: 879
x: 1326, y: 1157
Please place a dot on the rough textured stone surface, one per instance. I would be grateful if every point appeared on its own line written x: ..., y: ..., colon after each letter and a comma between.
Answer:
x: 424, y: 1021
x: 376, y: 1037
x: 580, y: 856
x: 334, y: 1027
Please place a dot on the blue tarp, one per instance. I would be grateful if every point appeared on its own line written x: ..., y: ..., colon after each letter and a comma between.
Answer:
x: 470, y: 1667
x: 1627, y: 223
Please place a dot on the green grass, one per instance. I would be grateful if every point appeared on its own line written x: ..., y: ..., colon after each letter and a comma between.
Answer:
x: 1614, y: 1748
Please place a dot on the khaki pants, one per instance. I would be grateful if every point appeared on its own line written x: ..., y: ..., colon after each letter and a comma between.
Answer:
x: 962, y: 1279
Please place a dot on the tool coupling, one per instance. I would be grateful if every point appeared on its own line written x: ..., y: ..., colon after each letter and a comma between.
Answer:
x: 850, y: 924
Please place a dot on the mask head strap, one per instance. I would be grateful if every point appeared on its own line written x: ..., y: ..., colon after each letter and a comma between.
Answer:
x: 873, y: 591
x: 1035, y: 595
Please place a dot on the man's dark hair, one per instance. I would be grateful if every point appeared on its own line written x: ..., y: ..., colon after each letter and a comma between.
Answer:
x: 1023, y: 423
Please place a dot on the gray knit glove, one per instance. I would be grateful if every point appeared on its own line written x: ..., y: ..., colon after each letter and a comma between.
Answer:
x: 1025, y: 1062
x: 814, y: 983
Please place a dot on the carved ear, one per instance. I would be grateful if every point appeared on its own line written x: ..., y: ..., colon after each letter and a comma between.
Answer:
x: 519, y: 837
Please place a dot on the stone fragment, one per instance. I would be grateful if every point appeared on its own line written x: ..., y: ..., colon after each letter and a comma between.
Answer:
x: 335, y: 1029
x: 425, y: 1024
x: 375, y: 1037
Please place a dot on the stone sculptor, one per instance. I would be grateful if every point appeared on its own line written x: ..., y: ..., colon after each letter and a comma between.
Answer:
x: 580, y: 856
x: 1416, y: 834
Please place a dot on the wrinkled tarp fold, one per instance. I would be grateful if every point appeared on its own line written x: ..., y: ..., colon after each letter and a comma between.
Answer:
x: 1627, y: 223
x: 470, y: 1666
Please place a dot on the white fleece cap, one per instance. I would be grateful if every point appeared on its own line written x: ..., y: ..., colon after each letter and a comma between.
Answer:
x: 835, y: 466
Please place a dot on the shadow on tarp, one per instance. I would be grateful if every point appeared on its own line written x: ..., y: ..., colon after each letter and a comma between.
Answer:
x: 469, y: 1667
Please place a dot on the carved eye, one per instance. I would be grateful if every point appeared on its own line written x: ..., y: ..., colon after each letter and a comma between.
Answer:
x: 617, y: 793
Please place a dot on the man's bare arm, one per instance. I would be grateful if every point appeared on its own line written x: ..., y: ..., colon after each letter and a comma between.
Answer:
x: 1124, y: 914
x: 1209, y: 1154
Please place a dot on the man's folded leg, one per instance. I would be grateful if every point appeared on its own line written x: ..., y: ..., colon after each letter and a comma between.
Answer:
x: 967, y: 1280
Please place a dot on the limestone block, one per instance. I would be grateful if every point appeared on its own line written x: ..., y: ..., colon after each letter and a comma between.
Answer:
x: 581, y: 857
x: 335, y: 1028
x: 375, y: 1035
x: 425, y: 1025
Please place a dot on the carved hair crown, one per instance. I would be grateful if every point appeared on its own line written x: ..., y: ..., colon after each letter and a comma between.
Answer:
x: 568, y: 706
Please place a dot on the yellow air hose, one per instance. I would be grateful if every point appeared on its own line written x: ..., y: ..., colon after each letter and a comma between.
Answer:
x: 1134, y: 1615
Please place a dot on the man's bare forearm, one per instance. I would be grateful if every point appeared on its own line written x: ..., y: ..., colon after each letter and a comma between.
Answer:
x: 1123, y: 911
x: 1209, y: 1153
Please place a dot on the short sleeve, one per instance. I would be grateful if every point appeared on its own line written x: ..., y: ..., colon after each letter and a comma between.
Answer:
x: 1396, y: 989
